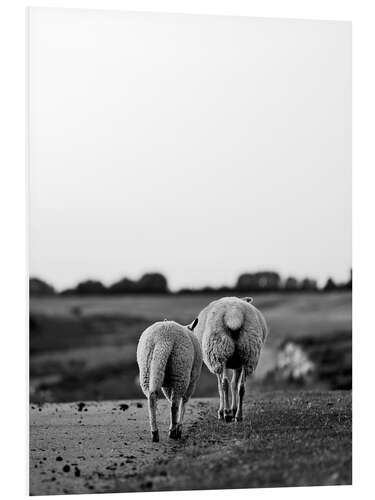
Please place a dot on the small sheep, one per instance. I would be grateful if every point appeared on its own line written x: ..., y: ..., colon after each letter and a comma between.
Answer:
x: 169, y: 359
x: 231, y: 332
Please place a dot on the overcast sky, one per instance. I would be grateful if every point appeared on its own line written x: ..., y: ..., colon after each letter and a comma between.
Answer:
x: 200, y: 147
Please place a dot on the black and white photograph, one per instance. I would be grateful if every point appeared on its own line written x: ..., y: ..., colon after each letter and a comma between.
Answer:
x: 190, y: 251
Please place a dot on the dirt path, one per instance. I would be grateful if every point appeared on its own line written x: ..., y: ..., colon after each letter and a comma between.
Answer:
x: 75, y: 449
x: 291, y: 439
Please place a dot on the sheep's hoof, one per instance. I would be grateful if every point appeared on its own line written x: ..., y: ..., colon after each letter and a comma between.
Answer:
x: 228, y: 416
x: 175, y: 433
x: 155, y: 436
x: 220, y: 415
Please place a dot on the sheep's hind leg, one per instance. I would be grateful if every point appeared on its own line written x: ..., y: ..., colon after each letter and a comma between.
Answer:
x: 152, y: 403
x: 173, y: 429
x: 241, y: 394
x: 234, y: 389
x: 225, y: 385
x: 220, y: 412
x: 183, y: 401
x: 167, y: 393
x: 181, y: 414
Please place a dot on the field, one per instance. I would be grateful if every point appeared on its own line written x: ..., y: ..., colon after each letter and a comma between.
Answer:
x: 89, y: 429
x: 84, y: 347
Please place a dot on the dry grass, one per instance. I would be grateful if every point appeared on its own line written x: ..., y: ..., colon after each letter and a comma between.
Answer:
x: 285, y: 440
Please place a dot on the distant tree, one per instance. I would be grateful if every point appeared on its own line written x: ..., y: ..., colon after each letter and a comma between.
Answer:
x: 123, y: 286
x: 33, y: 323
x: 264, y: 280
x: 291, y: 284
x: 268, y: 280
x: 247, y: 281
x: 189, y: 291
x: 152, y: 283
x: 349, y: 284
x: 90, y: 287
x: 38, y: 287
x: 223, y: 289
x: 330, y: 285
x: 309, y: 284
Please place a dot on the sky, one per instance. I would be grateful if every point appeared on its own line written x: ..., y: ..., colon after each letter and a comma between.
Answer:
x: 201, y: 147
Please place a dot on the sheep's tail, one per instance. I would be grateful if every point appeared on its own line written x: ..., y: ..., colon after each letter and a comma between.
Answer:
x: 234, y: 318
x: 158, y: 363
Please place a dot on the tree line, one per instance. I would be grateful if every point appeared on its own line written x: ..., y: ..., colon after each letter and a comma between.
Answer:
x: 156, y: 283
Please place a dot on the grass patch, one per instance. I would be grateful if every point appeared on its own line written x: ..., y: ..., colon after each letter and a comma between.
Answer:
x: 285, y: 440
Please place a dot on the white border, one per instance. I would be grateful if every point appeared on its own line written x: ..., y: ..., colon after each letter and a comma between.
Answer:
x: 14, y: 446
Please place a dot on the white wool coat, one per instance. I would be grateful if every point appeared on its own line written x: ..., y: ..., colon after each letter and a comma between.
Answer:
x: 170, y: 358
x: 231, y: 332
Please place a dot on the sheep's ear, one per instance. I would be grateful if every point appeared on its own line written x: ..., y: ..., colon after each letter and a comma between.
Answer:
x: 193, y: 325
x: 248, y: 299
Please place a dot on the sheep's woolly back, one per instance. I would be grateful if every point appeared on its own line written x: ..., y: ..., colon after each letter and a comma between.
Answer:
x: 231, y: 331
x: 167, y: 357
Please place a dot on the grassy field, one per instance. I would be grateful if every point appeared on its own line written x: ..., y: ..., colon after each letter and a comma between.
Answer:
x: 294, y: 313
x: 84, y: 347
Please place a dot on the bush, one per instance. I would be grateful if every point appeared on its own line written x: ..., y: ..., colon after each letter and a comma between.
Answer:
x: 152, y: 283
x: 309, y: 284
x: 265, y: 280
x: 90, y: 287
x: 291, y: 284
x: 38, y: 287
x: 123, y: 286
x: 330, y: 285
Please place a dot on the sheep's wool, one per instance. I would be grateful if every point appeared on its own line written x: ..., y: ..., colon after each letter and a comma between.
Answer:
x: 231, y: 331
x: 169, y: 357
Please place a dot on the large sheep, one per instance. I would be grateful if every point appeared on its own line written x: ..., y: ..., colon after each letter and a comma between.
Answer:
x: 231, y: 332
x: 169, y: 359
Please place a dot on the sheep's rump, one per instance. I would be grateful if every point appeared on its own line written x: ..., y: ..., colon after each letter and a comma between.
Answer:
x: 231, y: 331
x: 165, y: 357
